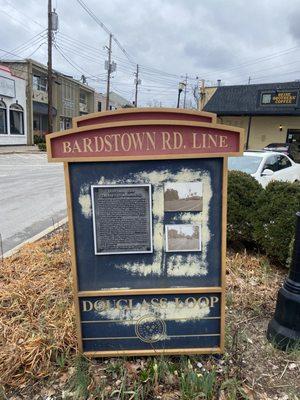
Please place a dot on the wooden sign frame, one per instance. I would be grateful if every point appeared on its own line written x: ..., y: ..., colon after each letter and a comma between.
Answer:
x: 109, y: 119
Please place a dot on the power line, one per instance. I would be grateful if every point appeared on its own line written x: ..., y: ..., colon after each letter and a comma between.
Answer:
x: 100, y: 23
x: 258, y: 60
x: 73, y: 64
x: 39, y: 35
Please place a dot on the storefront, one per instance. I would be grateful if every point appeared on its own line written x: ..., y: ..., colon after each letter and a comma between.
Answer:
x: 269, y: 113
x: 13, y: 125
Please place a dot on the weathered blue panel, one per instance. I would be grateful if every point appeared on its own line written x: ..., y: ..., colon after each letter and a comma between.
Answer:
x: 150, y: 322
x: 159, y: 269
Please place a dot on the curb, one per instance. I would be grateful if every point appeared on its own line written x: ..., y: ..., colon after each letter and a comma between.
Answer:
x: 35, y: 237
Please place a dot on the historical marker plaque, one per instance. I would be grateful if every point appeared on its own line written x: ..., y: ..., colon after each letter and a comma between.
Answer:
x: 138, y: 290
x: 122, y: 219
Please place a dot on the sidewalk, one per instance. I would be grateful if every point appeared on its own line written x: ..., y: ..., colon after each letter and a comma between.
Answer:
x: 18, y: 149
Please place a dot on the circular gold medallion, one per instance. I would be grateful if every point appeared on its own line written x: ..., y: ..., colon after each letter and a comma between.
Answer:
x: 150, y: 329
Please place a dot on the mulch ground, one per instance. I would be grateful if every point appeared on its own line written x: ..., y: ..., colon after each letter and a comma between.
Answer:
x: 39, y: 359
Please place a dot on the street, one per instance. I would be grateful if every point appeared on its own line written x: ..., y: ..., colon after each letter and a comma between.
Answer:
x: 32, y: 197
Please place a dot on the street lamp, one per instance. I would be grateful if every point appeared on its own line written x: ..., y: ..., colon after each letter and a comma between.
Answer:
x: 181, y: 86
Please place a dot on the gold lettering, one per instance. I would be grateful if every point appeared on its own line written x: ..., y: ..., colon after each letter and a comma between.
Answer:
x: 178, y: 303
x: 108, y: 145
x: 119, y: 305
x: 67, y: 147
x: 128, y: 142
x: 166, y: 140
x: 144, y: 304
x: 203, y: 301
x: 195, y: 146
x: 116, y: 136
x: 151, y: 140
x: 223, y: 141
x: 137, y: 140
x: 190, y: 302
x: 100, y: 305
x: 178, y: 140
x: 155, y: 302
x: 98, y: 139
x: 87, y: 305
x: 212, y: 139
x: 213, y: 300
x: 163, y: 302
x: 87, y: 145
x: 76, y: 147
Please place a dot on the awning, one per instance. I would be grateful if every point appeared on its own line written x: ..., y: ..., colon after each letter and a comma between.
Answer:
x: 42, y: 108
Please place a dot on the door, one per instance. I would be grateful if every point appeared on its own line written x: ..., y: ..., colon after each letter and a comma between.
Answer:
x: 293, y: 138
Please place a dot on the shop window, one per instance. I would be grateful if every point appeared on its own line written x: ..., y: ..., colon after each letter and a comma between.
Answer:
x: 82, y: 98
x: 3, y: 119
x: 16, y: 116
x: 39, y: 83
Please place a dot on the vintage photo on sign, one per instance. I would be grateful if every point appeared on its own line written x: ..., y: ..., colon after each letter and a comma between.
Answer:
x: 183, y: 237
x: 183, y: 196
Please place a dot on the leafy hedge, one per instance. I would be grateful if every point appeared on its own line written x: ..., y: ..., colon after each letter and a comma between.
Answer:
x: 274, y: 223
x: 262, y: 217
x: 243, y: 193
x: 39, y: 139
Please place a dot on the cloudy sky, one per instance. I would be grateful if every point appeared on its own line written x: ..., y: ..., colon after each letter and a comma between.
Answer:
x: 230, y: 40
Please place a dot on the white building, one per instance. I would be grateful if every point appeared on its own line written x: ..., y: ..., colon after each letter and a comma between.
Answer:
x: 115, y: 101
x: 13, y: 123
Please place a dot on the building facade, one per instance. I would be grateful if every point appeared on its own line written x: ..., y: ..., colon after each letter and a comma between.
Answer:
x: 269, y: 113
x: 115, y: 101
x: 13, y: 117
x: 71, y: 98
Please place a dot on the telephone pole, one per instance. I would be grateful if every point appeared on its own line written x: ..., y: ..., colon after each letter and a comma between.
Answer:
x: 202, y: 94
x: 137, y: 83
x: 185, y: 89
x: 50, y: 99
x: 109, y: 70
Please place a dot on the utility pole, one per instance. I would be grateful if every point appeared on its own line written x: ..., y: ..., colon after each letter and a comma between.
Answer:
x: 50, y: 99
x: 137, y: 83
x: 108, y: 72
x: 185, y: 89
x: 202, y: 94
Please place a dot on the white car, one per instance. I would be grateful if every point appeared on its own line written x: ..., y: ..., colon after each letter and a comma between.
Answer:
x: 266, y: 166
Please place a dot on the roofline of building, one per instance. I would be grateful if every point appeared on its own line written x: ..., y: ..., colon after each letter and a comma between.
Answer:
x: 253, y: 84
x: 38, y: 64
x: 258, y: 114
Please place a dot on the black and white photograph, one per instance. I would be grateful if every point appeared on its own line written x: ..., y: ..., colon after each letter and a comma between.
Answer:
x: 183, y: 237
x: 183, y: 196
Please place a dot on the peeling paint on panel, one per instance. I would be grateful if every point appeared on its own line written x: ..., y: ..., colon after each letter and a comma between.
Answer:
x: 177, y: 265
x: 85, y: 201
x: 171, y: 311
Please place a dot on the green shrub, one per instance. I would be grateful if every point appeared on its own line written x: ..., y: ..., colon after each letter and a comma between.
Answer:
x: 243, y: 193
x: 39, y: 139
x: 42, y: 146
x: 274, y: 221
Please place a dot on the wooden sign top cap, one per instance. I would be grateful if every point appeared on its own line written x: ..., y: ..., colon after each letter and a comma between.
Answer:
x: 144, y: 134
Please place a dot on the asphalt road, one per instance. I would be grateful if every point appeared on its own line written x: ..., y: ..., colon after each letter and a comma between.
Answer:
x: 32, y: 197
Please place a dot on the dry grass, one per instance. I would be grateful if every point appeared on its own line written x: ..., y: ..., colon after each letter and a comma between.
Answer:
x: 36, y: 315
x: 252, y: 283
x: 38, y: 337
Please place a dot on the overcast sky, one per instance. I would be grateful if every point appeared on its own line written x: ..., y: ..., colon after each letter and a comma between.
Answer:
x: 211, y: 39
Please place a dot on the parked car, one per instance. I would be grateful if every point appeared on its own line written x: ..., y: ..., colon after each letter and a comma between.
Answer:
x: 278, y: 147
x: 266, y: 166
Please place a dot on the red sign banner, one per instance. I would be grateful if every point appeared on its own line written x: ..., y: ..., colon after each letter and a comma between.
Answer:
x: 144, y: 139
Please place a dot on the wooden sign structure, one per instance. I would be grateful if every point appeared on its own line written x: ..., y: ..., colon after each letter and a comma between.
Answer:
x: 147, y: 197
